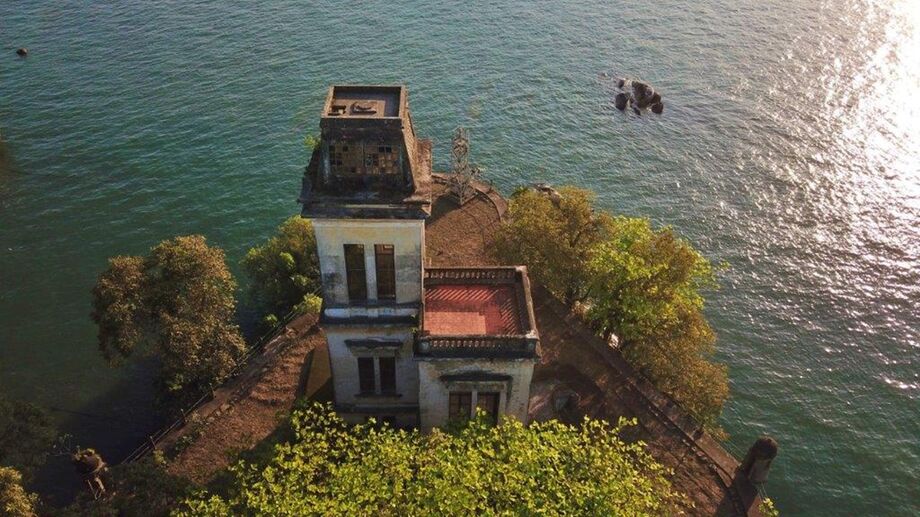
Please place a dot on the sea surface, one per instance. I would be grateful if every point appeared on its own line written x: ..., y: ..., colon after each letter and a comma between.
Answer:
x: 789, y: 149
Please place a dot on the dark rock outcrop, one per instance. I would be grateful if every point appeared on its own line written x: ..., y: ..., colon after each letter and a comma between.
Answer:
x: 22, y: 52
x: 638, y: 95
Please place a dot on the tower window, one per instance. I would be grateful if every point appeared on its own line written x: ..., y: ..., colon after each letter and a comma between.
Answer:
x: 387, y: 367
x: 366, y: 374
x: 355, y: 272
x: 386, y: 271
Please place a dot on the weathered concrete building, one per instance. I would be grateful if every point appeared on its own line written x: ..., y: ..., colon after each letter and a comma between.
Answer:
x: 408, y: 344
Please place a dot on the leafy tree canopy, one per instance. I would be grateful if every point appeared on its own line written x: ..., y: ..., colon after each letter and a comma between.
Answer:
x: 27, y: 435
x: 284, y: 270
x: 640, y: 283
x: 554, y: 237
x: 179, y: 301
x: 547, y: 468
x: 14, y: 500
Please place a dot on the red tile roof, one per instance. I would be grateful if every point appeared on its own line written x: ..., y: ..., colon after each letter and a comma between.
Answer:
x: 471, y: 309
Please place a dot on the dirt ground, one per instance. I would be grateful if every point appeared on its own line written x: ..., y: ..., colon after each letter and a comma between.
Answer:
x: 248, y: 410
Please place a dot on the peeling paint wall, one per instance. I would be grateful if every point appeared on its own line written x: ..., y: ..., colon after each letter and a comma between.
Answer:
x: 344, y: 362
x: 434, y: 393
x: 406, y: 236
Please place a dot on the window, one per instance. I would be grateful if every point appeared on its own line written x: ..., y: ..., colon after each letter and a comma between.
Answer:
x: 345, y: 159
x: 488, y: 403
x: 355, y: 272
x: 366, y: 374
x: 387, y: 367
x: 461, y: 403
x: 386, y: 271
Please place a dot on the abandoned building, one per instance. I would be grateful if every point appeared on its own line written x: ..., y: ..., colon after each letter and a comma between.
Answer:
x: 410, y: 345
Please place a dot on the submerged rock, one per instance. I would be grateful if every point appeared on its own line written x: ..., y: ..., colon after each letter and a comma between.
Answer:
x: 638, y: 95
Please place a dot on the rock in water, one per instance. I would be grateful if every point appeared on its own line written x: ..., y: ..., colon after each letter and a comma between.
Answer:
x: 621, y: 83
x: 22, y: 52
x: 620, y: 101
x: 657, y: 108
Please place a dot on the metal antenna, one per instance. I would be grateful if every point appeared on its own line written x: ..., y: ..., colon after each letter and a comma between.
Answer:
x: 460, y: 181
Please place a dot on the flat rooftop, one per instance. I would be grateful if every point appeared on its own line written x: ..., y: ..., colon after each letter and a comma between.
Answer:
x: 364, y: 102
x: 477, y: 312
x: 463, y: 309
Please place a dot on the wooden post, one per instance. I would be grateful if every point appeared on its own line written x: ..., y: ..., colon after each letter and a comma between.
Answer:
x: 756, y: 464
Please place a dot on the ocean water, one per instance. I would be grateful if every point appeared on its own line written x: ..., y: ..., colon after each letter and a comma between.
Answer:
x: 789, y: 148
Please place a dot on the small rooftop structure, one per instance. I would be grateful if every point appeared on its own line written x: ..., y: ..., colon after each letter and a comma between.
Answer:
x: 364, y: 101
x: 369, y: 163
x: 477, y: 312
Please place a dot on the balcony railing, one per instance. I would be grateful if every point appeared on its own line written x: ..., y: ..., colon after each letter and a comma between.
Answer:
x: 506, y: 274
x: 476, y: 346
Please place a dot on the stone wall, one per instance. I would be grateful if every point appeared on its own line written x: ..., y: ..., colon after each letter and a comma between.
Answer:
x: 407, y: 237
x: 345, y: 347
x: 438, y: 377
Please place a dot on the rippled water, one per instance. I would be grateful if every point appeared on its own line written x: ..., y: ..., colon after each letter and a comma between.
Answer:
x: 789, y: 147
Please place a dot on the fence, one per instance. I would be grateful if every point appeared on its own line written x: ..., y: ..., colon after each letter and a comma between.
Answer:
x: 257, y: 348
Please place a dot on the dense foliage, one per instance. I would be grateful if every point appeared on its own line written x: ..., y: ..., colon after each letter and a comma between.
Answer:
x: 550, y: 468
x: 26, y: 436
x: 641, y: 284
x: 284, y: 270
x: 554, y: 237
x: 179, y: 300
x: 14, y: 500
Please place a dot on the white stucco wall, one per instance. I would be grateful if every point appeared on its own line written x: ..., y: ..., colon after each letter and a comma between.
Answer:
x: 406, y: 236
x: 434, y: 394
x: 344, y: 362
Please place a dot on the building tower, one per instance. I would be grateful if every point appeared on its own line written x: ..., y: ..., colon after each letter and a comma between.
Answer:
x: 408, y: 345
x: 368, y: 192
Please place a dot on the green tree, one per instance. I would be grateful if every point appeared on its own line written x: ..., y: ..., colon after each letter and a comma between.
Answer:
x: 285, y: 269
x: 645, y: 287
x: 15, y: 501
x: 26, y: 436
x: 553, y: 237
x: 179, y: 302
x: 642, y: 284
x: 549, y: 468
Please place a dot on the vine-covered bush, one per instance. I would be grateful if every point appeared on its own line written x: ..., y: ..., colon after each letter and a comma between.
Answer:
x: 551, y: 468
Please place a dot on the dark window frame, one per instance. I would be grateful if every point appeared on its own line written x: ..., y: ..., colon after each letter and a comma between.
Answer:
x: 355, y: 272
x: 387, y: 374
x: 367, y: 377
x: 491, y: 407
x: 460, y: 405
x: 385, y: 265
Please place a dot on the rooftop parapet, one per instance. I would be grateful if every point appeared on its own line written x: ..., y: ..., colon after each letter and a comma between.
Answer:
x: 482, y: 312
x: 369, y: 163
